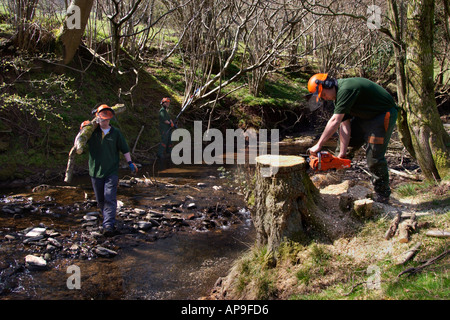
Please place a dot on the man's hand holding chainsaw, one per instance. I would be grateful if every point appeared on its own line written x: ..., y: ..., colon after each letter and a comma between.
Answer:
x: 333, y: 124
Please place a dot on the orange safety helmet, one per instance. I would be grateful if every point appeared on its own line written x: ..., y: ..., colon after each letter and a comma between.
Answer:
x: 165, y: 100
x: 105, y: 112
x: 318, y: 82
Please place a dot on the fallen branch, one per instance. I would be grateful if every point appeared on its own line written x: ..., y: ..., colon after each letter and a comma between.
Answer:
x: 438, y: 233
x: 393, y: 227
x: 406, y: 227
x: 408, y: 255
x: 406, y: 175
x: 44, y: 187
x: 354, y: 287
x: 137, y: 139
x: 426, y: 264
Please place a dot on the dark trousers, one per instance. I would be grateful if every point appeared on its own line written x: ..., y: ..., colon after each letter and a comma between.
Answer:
x: 165, y: 146
x: 106, y: 193
x: 376, y: 133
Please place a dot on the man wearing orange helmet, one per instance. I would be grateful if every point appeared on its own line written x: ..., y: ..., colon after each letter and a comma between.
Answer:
x: 364, y: 113
x: 104, y: 146
x: 165, y: 129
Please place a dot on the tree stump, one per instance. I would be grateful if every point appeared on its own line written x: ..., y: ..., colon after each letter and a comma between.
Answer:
x: 289, y: 206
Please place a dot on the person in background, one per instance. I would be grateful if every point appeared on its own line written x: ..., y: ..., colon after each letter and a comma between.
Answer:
x: 105, y: 146
x: 165, y: 129
x: 364, y: 113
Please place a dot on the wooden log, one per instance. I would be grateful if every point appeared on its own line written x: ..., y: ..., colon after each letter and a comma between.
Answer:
x: 81, y: 139
x: 425, y: 264
x: 408, y: 255
x: 289, y: 206
x: 438, y: 233
x: 70, y: 165
x: 405, y: 228
x: 393, y: 227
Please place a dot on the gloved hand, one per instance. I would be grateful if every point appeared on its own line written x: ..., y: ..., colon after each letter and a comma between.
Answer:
x: 85, y: 123
x: 133, y: 167
x: 173, y: 125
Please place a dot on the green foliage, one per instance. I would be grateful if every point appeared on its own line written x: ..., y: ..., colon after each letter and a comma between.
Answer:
x: 407, y: 190
x: 255, y: 271
x: 319, y: 255
x: 428, y: 285
x: 414, y: 189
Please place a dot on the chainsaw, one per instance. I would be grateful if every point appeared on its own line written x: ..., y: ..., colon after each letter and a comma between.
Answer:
x: 324, y: 161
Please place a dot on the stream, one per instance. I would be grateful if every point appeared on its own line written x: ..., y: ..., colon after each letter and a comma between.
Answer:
x: 177, y: 234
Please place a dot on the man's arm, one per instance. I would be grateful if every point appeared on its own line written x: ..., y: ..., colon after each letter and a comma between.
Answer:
x: 131, y: 164
x: 330, y: 129
x: 344, y: 138
x: 127, y: 156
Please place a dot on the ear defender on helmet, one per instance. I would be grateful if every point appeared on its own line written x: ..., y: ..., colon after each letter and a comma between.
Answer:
x: 328, y: 83
x: 318, y: 82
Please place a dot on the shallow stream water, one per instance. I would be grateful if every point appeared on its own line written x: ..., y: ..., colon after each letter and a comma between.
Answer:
x: 173, y: 261
x: 181, y: 257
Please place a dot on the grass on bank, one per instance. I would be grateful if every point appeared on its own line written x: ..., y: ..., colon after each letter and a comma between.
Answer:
x: 364, y: 267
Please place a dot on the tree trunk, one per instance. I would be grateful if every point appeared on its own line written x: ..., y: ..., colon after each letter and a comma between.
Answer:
x: 115, y: 36
x: 397, y: 30
x: 288, y: 205
x: 428, y: 135
x: 71, y: 35
x: 24, y: 14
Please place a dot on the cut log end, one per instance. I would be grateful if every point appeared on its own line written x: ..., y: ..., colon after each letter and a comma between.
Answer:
x: 280, y: 161
x: 271, y: 165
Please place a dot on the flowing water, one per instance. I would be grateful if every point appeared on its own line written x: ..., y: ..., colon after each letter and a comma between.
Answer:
x: 202, y: 225
x: 174, y: 261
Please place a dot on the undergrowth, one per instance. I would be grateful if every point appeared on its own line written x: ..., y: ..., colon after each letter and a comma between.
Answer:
x: 364, y: 267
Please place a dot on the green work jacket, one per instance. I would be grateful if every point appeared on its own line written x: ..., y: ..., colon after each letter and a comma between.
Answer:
x: 362, y: 98
x: 104, y: 152
x: 163, y: 116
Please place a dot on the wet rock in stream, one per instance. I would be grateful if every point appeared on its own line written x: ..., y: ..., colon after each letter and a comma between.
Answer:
x: 35, y: 263
x: 104, y: 252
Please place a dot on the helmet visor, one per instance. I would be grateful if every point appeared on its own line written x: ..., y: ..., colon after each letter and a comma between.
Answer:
x: 105, y: 114
x: 318, y: 94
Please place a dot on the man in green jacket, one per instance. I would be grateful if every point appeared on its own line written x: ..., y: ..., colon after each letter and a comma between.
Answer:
x: 165, y: 129
x: 105, y: 146
x: 364, y: 113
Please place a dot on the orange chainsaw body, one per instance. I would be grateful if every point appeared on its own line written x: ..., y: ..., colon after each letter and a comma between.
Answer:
x: 324, y: 161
